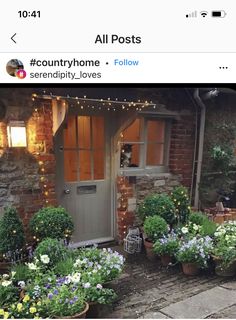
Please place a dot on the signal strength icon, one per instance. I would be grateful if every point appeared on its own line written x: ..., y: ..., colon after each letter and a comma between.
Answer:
x: 203, y: 13
x: 192, y: 15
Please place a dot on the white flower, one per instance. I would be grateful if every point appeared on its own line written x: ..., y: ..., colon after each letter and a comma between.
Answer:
x: 184, y: 230
x: 75, y: 278
x: 5, y: 276
x: 13, y: 274
x: 45, y: 258
x: 195, y: 227
x: 21, y: 284
x: 6, y: 283
x: 32, y: 266
x: 87, y: 285
x: 77, y: 263
x: 99, y: 286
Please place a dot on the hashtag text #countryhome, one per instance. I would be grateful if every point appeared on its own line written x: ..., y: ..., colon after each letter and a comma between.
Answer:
x: 65, y: 75
x: 64, y: 63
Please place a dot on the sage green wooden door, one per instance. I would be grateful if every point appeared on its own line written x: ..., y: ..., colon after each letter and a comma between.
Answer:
x: 86, y: 188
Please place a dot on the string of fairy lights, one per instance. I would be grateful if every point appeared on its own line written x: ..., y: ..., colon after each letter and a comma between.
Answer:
x: 107, y: 104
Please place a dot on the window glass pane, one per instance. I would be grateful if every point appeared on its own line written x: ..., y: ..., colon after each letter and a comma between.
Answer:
x: 84, y: 165
x: 84, y: 135
x: 70, y: 133
x: 132, y: 133
x: 155, y: 131
x: 98, y: 132
x: 98, y: 160
x: 129, y: 155
x: 155, y: 154
x: 70, y: 166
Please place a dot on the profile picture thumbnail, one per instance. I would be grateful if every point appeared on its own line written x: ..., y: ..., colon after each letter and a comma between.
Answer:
x: 14, y: 66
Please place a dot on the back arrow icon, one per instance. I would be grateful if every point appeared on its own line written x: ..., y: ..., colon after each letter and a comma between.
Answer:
x: 12, y: 38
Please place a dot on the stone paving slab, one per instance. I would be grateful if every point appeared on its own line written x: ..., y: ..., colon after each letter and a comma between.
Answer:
x: 201, y: 305
x: 229, y: 285
x: 228, y: 313
x: 154, y: 315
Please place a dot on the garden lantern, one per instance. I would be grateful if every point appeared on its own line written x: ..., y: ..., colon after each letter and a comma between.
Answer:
x: 16, y: 132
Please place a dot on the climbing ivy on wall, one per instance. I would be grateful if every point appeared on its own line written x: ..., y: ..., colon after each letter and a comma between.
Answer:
x: 219, y: 162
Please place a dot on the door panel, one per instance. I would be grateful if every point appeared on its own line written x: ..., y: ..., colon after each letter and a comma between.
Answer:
x: 86, y: 189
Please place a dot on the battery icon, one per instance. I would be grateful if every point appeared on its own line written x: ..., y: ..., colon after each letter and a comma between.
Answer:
x: 218, y: 14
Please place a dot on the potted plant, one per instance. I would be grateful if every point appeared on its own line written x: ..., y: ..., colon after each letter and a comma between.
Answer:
x: 53, y: 222
x: 12, y: 238
x: 167, y: 247
x: 194, y: 254
x: 154, y: 227
x: 158, y: 204
x: 224, y: 252
x: 180, y: 198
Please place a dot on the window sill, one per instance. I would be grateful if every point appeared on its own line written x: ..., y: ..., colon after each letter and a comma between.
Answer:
x: 154, y: 171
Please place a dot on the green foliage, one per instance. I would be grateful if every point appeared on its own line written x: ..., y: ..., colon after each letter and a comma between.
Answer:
x: 208, y: 228
x: 53, y: 248
x: 197, y: 217
x: 51, y: 222
x: 12, y: 236
x: 155, y: 227
x: 100, y: 295
x: 21, y: 272
x: 180, y: 198
x: 8, y: 295
x: 158, y: 204
x: 167, y: 245
x: 64, y: 267
x: 58, y: 305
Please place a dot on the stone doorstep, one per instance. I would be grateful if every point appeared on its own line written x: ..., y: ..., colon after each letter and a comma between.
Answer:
x: 201, y: 305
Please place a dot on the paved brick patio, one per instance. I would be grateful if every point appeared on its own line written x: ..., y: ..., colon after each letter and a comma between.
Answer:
x: 147, y: 290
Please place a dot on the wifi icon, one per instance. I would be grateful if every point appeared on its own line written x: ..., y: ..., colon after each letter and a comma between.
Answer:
x: 203, y: 13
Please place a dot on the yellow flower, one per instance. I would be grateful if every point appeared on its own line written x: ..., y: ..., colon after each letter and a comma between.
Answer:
x: 33, y: 310
x: 26, y: 298
x: 19, y: 306
x: 1, y: 312
x: 6, y: 315
x: 39, y: 303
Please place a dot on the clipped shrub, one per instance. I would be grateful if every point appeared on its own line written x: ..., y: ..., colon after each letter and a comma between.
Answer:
x: 198, y: 217
x: 158, y: 204
x: 155, y: 227
x: 54, y: 249
x: 53, y: 222
x: 12, y: 237
x: 180, y: 198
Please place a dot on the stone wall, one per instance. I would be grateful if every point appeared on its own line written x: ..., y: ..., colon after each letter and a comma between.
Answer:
x: 27, y: 175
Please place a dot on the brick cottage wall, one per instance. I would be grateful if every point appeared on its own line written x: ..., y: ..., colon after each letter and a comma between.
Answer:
x: 131, y: 191
x: 27, y: 175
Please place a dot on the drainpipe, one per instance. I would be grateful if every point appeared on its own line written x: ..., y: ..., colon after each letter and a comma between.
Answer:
x: 200, y: 145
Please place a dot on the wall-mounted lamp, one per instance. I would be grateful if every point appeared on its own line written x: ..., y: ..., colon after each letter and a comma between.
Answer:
x: 16, y: 132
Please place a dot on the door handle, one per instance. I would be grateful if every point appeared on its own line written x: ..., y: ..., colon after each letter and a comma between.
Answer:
x: 67, y: 191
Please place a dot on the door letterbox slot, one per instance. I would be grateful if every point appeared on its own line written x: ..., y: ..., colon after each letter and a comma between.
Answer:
x: 86, y: 189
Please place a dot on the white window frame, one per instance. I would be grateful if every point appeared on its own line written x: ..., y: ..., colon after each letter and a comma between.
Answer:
x: 143, y: 168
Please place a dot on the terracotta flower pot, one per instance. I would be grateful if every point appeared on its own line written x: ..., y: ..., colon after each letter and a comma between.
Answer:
x: 81, y: 315
x: 165, y: 260
x: 149, y: 250
x: 97, y: 310
x: 190, y: 269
